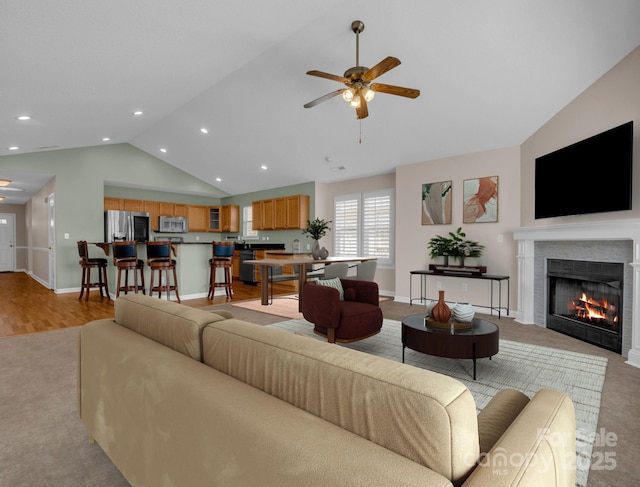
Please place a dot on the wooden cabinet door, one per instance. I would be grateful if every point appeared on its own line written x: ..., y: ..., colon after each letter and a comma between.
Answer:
x: 198, y: 218
x: 235, y: 265
x: 280, y: 213
x: 166, y: 209
x: 230, y: 218
x: 214, y: 219
x: 256, y: 211
x: 180, y: 210
x: 268, y: 222
x: 113, y: 204
x: 153, y: 208
x: 297, y: 211
x: 133, y: 205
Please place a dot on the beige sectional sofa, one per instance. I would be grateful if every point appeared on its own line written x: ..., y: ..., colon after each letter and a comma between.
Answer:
x: 183, y: 397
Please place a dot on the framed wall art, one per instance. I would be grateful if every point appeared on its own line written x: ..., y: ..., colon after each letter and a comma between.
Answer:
x: 436, y: 203
x: 480, y: 200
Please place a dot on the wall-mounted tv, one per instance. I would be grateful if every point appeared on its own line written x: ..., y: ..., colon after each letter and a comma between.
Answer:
x: 590, y: 176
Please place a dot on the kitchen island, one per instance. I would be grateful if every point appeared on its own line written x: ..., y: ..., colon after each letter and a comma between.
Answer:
x: 192, y: 265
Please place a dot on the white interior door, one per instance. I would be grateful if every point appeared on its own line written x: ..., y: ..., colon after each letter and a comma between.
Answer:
x: 52, y: 242
x: 7, y: 242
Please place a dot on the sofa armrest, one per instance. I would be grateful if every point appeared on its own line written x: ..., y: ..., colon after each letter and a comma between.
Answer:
x: 365, y: 291
x: 538, y: 448
x: 321, y: 305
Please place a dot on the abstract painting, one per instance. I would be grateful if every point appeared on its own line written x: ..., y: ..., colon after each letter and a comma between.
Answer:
x: 480, y: 200
x: 436, y: 203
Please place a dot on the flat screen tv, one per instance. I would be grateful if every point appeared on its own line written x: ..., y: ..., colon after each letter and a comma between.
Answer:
x: 590, y: 176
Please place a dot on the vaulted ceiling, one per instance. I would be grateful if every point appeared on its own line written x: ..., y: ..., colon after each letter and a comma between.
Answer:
x: 490, y: 74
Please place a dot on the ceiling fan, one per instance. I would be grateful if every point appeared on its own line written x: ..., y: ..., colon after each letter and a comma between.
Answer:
x: 359, y: 89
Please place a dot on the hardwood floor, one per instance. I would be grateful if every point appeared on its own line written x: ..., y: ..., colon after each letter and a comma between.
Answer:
x: 28, y: 307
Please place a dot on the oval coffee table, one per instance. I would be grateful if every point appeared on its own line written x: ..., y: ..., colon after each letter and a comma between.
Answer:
x: 480, y: 341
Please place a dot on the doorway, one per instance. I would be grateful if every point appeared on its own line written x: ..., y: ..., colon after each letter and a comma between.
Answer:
x: 7, y: 242
x: 52, y: 240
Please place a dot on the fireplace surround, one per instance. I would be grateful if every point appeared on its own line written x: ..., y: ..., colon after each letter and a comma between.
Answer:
x: 617, y: 241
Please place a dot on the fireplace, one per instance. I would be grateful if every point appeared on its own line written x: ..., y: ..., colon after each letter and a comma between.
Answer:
x: 585, y: 301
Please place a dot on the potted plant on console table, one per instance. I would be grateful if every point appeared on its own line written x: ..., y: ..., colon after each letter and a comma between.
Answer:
x: 454, y: 246
x: 316, y: 229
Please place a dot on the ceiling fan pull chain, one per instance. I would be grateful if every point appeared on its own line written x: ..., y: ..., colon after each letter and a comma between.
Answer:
x: 360, y: 139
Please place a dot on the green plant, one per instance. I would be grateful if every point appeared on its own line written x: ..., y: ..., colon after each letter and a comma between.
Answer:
x: 316, y: 229
x: 454, y: 246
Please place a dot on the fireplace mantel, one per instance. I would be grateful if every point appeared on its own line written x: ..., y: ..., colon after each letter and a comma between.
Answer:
x: 602, y: 230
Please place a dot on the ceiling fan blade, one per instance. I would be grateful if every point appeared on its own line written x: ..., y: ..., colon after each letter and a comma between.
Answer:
x: 362, y: 111
x: 395, y: 90
x: 382, y: 67
x: 322, y: 74
x: 326, y: 97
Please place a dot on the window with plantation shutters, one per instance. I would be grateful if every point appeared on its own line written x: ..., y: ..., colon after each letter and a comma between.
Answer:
x: 363, y: 226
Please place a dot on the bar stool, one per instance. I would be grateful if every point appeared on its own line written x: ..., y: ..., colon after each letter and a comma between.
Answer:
x: 125, y: 258
x: 222, y: 257
x: 159, y: 260
x: 92, y: 263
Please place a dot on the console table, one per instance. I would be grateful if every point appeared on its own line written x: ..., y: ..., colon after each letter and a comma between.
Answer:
x: 486, y: 277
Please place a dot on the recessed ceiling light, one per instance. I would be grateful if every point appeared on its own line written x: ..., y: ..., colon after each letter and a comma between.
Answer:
x: 5, y: 182
x: 138, y: 112
x: 264, y: 167
x: 1, y: 198
x: 162, y: 149
x: 23, y: 118
x: 13, y: 147
x: 204, y: 130
x: 219, y: 180
x: 106, y: 139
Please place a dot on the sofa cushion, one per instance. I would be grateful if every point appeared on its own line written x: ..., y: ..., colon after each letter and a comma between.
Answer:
x: 421, y: 415
x: 497, y: 415
x: 174, y: 325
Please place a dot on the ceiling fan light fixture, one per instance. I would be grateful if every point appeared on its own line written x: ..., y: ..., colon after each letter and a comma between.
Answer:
x: 356, y: 102
x: 369, y: 94
x: 347, y: 95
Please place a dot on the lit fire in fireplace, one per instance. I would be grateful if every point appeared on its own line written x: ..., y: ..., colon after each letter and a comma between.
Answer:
x: 589, y: 308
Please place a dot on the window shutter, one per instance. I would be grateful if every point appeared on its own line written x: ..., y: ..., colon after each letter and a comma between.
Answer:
x: 345, y: 226
x: 376, y: 226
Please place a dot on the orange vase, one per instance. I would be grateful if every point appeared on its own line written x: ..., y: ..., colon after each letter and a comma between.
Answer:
x: 441, y: 312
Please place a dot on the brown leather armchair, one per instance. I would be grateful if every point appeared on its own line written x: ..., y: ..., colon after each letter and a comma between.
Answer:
x: 358, y: 316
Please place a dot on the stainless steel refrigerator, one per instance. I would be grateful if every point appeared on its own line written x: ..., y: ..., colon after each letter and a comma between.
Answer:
x: 126, y: 226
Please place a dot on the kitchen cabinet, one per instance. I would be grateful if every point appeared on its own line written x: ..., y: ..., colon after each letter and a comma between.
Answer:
x: 280, y: 213
x: 297, y: 209
x: 256, y: 211
x: 285, y: 213
x: 181, y: 210
x: 113, y: 204
x: 198, y: 218
x: 133, y: 205
x: 153, y: 208
x: 235, y: 265
x: 268, y: 222
x: 166, y: 209
x: 214, y: 219
x: 230, y: 218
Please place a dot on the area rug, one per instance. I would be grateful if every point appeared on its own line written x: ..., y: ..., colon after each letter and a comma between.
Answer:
x: 283, y: 305
x: 527, y: 368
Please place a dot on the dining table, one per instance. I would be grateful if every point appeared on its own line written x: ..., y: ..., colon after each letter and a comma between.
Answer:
x: 298, y: 263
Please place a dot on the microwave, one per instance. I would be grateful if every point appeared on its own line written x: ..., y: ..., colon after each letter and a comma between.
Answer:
x: 173, y: 224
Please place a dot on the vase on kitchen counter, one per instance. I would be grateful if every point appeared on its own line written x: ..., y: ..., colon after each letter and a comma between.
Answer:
x: 441, y: 312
